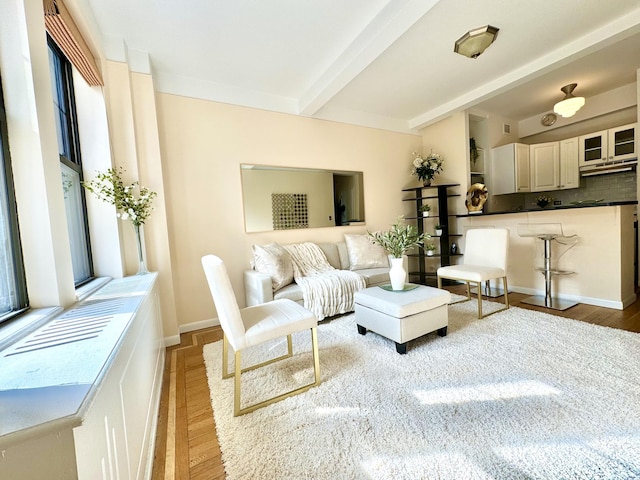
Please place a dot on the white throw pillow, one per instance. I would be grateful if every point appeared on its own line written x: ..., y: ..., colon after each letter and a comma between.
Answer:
x: 273, y: 260
x: 363, y: 253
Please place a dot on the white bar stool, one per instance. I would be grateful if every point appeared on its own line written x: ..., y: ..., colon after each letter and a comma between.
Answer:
x: 548, y: 232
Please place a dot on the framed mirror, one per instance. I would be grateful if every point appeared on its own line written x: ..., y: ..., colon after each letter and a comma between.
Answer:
x: 283, y: 198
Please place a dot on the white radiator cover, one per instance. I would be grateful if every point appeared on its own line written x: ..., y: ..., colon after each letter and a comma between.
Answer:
x: 79, y: 397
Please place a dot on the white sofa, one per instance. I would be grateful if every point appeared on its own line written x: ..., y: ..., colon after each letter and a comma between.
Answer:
x: 258, y: 286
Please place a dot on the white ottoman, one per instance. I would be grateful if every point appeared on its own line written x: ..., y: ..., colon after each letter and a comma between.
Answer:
x: 402, y: 316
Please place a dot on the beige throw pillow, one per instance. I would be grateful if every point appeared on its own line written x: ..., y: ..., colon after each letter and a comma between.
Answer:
x: 363, y: 253
x: 273, y: 260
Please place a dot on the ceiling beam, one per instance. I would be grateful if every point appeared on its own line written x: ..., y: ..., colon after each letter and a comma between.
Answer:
x: 392, y: 22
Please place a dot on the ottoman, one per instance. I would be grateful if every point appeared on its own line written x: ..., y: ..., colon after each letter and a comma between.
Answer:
x: 402, y: 316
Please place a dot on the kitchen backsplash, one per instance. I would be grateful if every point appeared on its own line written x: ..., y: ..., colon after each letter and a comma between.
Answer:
x: 614, y: 187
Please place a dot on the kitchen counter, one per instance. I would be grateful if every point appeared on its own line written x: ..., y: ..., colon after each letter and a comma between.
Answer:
x: 602, y: 259
x: 550, y: 208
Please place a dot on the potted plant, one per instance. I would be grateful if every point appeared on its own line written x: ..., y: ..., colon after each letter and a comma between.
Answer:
x: 542, y: 201
x: 425, y: 209
x: 429, y: 248
x: 438, y: 229
x: 396, y: 241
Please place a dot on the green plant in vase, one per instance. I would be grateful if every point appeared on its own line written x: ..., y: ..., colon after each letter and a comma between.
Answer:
x: 133, y: 202
x: 425, y: 209
x: 397, y: 241
x: 438, y: 230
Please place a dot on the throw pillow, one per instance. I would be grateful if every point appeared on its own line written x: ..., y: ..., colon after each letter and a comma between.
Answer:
x: 273, y: 260
x: 363, y: 253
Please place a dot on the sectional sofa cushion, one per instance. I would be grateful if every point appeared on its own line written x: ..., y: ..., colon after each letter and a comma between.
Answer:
x: 363, y: 253
x: 273, y: 260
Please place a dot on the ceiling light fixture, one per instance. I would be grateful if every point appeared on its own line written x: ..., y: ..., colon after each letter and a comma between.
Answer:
x: 569, y: 105
x: 476, y: 41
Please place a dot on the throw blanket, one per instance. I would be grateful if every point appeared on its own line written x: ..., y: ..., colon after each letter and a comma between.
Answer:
x: 325, y: 290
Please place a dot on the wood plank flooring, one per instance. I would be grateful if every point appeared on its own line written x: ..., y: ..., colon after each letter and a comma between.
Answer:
x: 186, y: 442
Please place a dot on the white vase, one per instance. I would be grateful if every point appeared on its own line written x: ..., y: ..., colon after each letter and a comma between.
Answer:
x: 425, y: 214
x: 397, y: 274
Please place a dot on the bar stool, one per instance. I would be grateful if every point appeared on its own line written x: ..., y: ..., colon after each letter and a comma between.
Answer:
x: 548, y: 232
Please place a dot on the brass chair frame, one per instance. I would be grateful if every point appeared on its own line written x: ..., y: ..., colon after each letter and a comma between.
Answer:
x: 238, y: 371
x: 478, y: 285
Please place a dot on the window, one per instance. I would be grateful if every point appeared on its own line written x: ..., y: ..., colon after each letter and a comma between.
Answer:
x: 13, y: 285
x: 70, y: 163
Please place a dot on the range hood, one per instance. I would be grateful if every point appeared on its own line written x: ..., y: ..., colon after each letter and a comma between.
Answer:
x: 609, y: 167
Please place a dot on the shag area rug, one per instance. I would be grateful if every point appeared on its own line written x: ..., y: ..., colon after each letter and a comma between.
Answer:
x: 517, y: 395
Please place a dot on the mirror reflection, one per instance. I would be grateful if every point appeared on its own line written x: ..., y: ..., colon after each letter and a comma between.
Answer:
x: 283, y: 198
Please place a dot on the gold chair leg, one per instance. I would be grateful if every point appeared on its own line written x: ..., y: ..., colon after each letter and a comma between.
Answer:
x: 479, y: 287
x: 225, y: 357
x: 237, y: 410
x: 506, y: 292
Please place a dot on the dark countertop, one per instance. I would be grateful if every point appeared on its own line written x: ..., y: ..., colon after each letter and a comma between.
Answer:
x: 552, y: 207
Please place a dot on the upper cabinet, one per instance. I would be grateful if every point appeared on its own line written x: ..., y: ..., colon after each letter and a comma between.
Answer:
x: 510, y: 169
x: 608, y: 146
x: 545, y: 166
x: 569, y: 169
x: 554, y: 165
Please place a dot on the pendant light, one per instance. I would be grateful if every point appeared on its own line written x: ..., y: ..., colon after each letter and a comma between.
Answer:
x: 569, y: 105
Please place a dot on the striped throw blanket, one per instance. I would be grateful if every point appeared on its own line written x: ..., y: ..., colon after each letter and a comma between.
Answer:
x: 325, y: 290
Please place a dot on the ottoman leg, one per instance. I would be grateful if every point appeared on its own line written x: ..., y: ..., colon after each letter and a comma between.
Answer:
x: 401, y: 348
x: 442, y: 331
x: 361, y: 330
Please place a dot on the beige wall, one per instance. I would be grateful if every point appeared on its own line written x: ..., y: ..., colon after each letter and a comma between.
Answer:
x: 203, y: 144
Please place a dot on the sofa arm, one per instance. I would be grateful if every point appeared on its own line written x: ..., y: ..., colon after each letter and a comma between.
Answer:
x: 257, y: 288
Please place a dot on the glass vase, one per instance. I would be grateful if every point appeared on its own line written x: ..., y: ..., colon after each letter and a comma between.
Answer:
x: 142, y: 264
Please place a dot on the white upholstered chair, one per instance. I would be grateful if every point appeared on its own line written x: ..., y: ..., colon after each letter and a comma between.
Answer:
x: 251, y: 326
x: 485, y: 258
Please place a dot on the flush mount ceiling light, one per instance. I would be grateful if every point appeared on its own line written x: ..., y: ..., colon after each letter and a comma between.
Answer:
x: 476, y: 41
x: 569, y: 105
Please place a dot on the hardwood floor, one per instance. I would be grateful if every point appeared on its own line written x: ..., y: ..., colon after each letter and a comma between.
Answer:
x: 186, y: 442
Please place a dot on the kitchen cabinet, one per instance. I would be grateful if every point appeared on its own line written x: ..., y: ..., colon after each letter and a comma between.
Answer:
x: 554, y: 165
x: 569, y: 167
x: 510, y: 170
x: 545, y: 166
x: 612, y: 145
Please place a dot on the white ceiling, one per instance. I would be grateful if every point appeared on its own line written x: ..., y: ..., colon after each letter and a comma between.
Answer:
x: 382, y: 63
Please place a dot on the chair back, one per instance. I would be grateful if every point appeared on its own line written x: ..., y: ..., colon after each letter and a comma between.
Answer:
x: 224, y: 300
x: 487, y: 247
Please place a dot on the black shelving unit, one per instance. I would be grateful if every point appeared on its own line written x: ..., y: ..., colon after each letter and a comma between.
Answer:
x: 420, y: 196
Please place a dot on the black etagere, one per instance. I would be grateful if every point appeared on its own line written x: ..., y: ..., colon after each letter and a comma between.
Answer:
x: 422, y: 195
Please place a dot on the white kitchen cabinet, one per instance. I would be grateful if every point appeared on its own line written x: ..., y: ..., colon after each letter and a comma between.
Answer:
x: 613, y: 145
x: 545, y: 166
x: 510, y: 169
x: 569, y: 167
x: 621, y: 143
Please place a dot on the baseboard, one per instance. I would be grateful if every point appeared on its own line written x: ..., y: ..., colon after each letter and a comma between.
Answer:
x: 172, y: 340
x: 598, y: 302
x: 190, y: 327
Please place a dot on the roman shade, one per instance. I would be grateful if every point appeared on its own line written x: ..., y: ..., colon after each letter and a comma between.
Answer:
x: 65, y: 33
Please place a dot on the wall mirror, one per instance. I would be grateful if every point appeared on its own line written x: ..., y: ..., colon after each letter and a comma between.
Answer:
x: 283, y: 198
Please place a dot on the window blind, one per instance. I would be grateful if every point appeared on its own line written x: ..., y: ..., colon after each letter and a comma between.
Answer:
x: 65, y: 33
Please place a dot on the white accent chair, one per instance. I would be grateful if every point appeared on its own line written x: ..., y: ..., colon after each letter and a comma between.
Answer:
x: 254, y: 325
x: 485, y: 258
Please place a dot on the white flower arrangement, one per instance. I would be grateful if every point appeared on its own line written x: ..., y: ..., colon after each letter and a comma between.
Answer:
x: 428, y: 167
x: 109, y: 187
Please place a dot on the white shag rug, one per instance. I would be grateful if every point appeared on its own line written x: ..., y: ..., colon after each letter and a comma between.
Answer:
x: 517, y: 395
